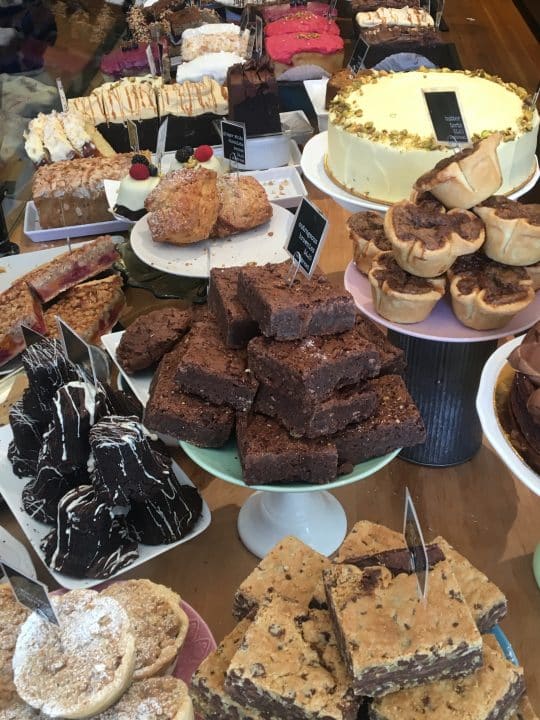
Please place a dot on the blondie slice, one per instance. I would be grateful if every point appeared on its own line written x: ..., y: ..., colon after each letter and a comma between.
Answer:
x: 367, y: 539
x: 289, y: 665
x: 235, y: 324
x: 389, y: 638
x: 490, y: 693
x: 525, y: 710
x: 291, y: 311
x: 214, y: 372
x: 291, y: 569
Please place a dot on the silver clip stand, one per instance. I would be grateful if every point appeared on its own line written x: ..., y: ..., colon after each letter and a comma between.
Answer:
x: 295, y: 267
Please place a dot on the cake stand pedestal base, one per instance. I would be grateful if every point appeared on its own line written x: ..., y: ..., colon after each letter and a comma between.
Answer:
x: 316, y: 518
x: 536, y: 565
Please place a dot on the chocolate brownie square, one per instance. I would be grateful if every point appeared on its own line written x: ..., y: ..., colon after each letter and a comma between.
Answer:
x: 291, y: 569
x: 316, y: 366
x: 395, y: 423
x: 269, y: 455
x: 288, y: 664
x: 213, y: 371
x: 236, y: 326
x: 310, y: 306
x: 150, y: 336
x: 490, y: 693
x: 305, y: 418
x: 392, y: 357
x: 184, y: 417
x: 391, y: 639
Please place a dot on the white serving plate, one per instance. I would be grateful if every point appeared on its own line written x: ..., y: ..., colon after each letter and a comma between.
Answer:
x: 316, y: 92
x: 263, y: 244
x: 11, y: 489
x: 283, y: 186
x: 34, y: 231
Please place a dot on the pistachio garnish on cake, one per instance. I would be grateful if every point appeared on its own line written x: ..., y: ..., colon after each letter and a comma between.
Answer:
x: 512, y: 230
x: 426, y: 241
x: 399, y: 296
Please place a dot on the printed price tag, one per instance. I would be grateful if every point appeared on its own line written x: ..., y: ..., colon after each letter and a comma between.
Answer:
x: 133, y: 135
x: 62, y: 93
x: 417, y: 547
x: 307, y: 236
x: 233, y: 136
x: 161, y: 139
x: 359, y: 54
x: 77, y: 350
x: 151, y: 60
x: 446, y: 116
x: 31, y: 336
x: 30, y: 593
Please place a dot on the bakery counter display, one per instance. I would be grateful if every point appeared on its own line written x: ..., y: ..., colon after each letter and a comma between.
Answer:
x: 369, y: 159
x: 144, y: 640
x: 350, y: 637
x: 92, y: 492
x: 263, y: 345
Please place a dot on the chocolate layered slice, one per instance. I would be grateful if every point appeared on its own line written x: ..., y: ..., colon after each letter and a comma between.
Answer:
x: 367, y: 5
x: 316, y: 366
x: 290, y: 569
x: 308, y: 306
x: 492, y: 692
x: 400, y: 37
x: 423, y: 641
x: 304, y: 418
x: 213, y: 371
x: 395, y: 423
x: 338, y: 82
x: 269, y: 455
x: 253, y: 96
x: 150, y: 336
x: 288, y: 665
x: 236, y: 326
x: 172, y: 412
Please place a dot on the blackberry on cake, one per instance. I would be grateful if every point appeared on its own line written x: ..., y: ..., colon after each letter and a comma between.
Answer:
x: 235, y: 325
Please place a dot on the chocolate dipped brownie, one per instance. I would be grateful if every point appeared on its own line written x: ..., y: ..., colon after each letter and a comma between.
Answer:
x: 290, y: 569
x: 150, y: 336
x: 213, y: 371
x: 316, y: 366
x: 172, y: 412
x: 389, y: 638
x: 395, y: 423
x: 491, y: 693
x: 288, y: 665
x: 304, y: 418
x: 269, y: 455
x: 236, y: 326
x: 310, y: 306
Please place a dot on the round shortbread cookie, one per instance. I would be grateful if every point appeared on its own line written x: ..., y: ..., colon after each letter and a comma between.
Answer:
x: 166, y: 698
x: 158, y: 622
x: 12, y: 616
x: 16, y: 709
x: 82, y: 666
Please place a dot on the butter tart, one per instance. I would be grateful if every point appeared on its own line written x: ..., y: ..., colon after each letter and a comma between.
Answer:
x: 467, y: 178
x: 366, y: 231
x: 485, y: 294
x: 512, y: 230
x: 399, y: 296
x: 157, y: 620
x: 533, y: 272
x: 426, y: 241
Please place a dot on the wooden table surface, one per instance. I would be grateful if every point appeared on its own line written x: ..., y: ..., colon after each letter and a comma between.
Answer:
x: 479, y: 506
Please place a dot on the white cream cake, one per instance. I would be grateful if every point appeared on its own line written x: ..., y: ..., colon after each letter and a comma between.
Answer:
x: 380, y: 136
x: 404, y: 17
x: 213, y: 65
x: 222, y: 37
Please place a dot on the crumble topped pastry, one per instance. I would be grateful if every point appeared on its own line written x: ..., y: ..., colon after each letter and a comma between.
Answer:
x: 12, y: 616
x: 163, y: 698
x: 19, y: 307
x: 491, y: 692
x: 158, y: 623
x: 288, y: 665
x: 389, y: 638
x: 291, y: 569
x: 80, y: 667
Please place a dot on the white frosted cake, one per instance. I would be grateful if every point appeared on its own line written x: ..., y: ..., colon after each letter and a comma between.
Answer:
x: 380, y: 137
x: 222, y: 37
x: 213, y: 65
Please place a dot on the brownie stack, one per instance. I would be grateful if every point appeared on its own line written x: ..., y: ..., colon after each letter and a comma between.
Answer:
x: 313, y: 388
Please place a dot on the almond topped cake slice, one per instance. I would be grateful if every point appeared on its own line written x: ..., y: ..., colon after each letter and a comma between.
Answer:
x: 19, y: 307
x: 389, y: 638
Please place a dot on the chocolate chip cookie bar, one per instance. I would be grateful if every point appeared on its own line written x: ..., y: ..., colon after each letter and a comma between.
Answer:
x: 389, y: 638
x: 289, y: 665
x: 491, y: 692
x: 291, y: 569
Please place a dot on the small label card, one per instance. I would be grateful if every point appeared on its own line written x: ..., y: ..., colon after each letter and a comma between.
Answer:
x: 307, y: 237
x: 77, y: 350
x: 161, y: 139
x: 417, y: 547
x: 446, y: 117
x: 31, y: 336
x: 246, y: 18
x: 133, y: 135
x: 30, y: 593
x: 259, y: 37
x: 151, y: 60
x: 359, y: 55
x: 62, y: 93
x: 233, y: 136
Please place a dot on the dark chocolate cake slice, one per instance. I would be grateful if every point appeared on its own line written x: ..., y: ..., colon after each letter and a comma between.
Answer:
x: 253, y: 96
x: 47, y: 369
x: 24, y: 450
x: 89, y: 541
x: 22, y: 466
